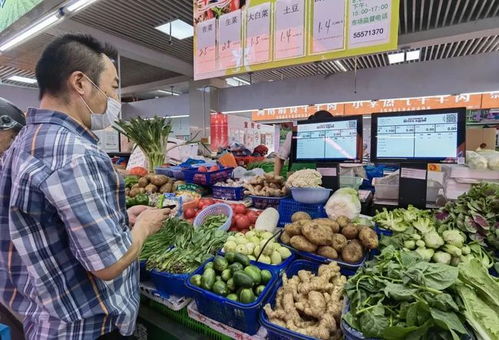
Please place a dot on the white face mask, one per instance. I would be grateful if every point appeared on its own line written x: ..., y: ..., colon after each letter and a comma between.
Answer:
x: 106, y: 119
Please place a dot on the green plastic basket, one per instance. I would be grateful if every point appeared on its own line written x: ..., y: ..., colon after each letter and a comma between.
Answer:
x: 182, y: 317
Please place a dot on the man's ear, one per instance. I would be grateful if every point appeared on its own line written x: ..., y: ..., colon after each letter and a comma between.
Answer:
x: 76, y: 82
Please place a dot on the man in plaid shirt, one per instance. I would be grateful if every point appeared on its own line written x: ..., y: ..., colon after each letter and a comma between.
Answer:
x: 68, y: 259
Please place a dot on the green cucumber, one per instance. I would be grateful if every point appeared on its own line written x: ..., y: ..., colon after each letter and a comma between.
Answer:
x: 235, y: 267
x: 196, y: 280
x: 230, y: 256
x: 254, y: 272
x: 232, y: 297
x: 220, y: 263
x: 242, y: 279
x: 266, y: 276
x: 242, y: 259
x: 220, y: 288
x: 208, y: 265
x: 259, y: 290
x: 226, y: 275
x: 208, y: 278
x: 230, y: 285
x: 247, y: 296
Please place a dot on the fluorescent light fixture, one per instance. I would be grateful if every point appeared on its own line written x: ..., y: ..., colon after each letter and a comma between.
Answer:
x: 232, y: 82
x: 80, y: 4
x: 413, y: 55
x: 241, y: 80
x: 395, y: 58
x: 22, y: 79
x: 177, y: 29
x: 171, y: 93
x: 340, y: 65
x: 179, y: 116
x: 42, y: 24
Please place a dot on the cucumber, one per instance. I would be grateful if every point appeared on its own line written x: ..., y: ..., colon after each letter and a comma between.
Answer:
x: 232, y: 297
x: 208, y: 265
x: 235, y: 267
x: 247, y: 296
x: 220, y: 288
x: 230, y: 256
x: 220, y: 263
x: 254, y: 272
x: 230, y: 285
x: 218, y: 278
x: 259, y: 290
x: 208, y: 278
x: 226, y: 275
x: 242, y: 259
x: 266, y: 276
x: 241, y: 279
x: 196, y: 280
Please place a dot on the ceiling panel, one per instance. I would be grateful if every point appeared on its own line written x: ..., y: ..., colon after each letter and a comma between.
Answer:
x: 135, y: 73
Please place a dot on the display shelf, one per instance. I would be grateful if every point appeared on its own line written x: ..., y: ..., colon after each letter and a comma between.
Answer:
x: 222, y: 328
x: 174, y: 303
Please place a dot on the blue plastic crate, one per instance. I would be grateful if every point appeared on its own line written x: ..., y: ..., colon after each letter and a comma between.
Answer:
x: 177, y: 172
x: 275, y: 332
x: 381, y: 231
x: 206, y: 178
x: 170, y: 284
x: 243, y: 317
x: 349, y: 332
x: 288, y: 206
x: 4, y: 332
x: 145, y: 275
x: 228, y: 193
x: 264, y: 202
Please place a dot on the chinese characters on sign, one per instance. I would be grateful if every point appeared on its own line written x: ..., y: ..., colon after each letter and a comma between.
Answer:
x: 258, y: 34
x: 328, y: 26
x: 205, y: 58
x: 369, y: 22
x: 230, y: 52
x: 289, y: 37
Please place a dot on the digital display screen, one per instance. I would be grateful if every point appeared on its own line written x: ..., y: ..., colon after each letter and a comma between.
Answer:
x: 327, y: 141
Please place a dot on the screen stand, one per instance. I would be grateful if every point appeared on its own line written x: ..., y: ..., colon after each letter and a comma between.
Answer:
x: 412, y: 185
x: 330, y: 175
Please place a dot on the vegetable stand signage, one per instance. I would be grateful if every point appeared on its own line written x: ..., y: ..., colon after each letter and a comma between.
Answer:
x: 254, y: 35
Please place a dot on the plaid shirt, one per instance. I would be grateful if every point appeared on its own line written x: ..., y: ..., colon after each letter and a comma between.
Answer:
x: 62, y: 215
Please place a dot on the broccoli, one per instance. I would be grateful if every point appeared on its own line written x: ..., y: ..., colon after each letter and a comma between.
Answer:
x: 441, y: 257
x: 425, y: 253
x: 433, y: 240
x: 453, y: 237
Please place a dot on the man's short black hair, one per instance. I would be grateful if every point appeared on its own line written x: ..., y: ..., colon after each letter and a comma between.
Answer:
x: 67, y: 54
x: 319, y: 115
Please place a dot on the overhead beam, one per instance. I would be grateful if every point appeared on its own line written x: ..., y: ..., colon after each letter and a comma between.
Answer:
x: 127, y: 48
x: 460, y: 32
x: 155, y: 85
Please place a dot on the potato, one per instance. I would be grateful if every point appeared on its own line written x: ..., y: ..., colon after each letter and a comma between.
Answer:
x: 343, y: 221
x: 293, y: 229
x: 300, y: 215
x: 151, y: 188
x: 159, y: 180
x: 301, y: 243
x: 368, y: 238
x: 149, y: 176
x: 350, y: 231
x: 338, y: 241
x: 328, y: 252
x: 285, y: 237
x: 143, y: 182
x: 127, y: 191
x: 134, y: 192
x: 142, y: 190
x: 166, y: 188
x: 135, y: 186
x: 352, y: 252
x: 335, y: 227
x: 316, y: 233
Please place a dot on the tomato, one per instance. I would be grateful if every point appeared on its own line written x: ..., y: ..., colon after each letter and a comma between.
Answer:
x: 203, y: 169
x: 240, y: 209
x: 252, y: 215
x: 189, y: 213
x: 214, y: 168
x: 242, y: 222
x: 209, y: 201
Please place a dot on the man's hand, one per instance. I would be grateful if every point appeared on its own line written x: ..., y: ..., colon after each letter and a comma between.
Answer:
x: 134, y: 212
x: 151, y: 220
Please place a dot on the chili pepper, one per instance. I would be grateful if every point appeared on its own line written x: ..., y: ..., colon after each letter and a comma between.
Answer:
x: 131, y: 180
x: 130, y: 201
x: 141, y: 199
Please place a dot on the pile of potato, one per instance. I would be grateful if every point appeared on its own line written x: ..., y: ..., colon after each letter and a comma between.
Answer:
x: 267, y: 185
x: 334, y: 239
x: 151, y: 184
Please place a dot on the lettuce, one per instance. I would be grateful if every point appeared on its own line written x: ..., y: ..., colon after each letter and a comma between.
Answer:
x: 344, y: 202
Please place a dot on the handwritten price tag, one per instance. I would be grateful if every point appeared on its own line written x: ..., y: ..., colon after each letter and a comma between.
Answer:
x: 328, y: 26
x: 230, y: 50
x: 258, y: 34
x: 205, y: 54
x: 290, y: 25
x: 369, y: 22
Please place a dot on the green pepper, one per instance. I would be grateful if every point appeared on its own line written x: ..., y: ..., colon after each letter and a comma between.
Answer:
x: 130, y: 201
x: 131, y: 180
x: 141, y: 199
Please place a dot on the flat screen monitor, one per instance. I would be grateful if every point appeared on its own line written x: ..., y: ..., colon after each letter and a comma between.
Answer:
x: 429, y: 136
x: 337, y: 139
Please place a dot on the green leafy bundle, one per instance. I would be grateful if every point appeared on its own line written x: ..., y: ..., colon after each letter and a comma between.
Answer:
x: 398, y: 296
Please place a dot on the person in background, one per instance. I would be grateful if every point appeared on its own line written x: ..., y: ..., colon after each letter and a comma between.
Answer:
x: 260, y: 151
x: 285, y: 149
x: 482, y: 147
x: 68, y: 252
x: 12, y: 121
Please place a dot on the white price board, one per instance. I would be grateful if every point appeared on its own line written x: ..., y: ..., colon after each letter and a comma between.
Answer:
x: 289, y: 37
x: 258, y: 31
x: 109, y: 140
x: 205, y: 54
x: 369, y: 22
x: 328, y: 32
x: 230, y: 51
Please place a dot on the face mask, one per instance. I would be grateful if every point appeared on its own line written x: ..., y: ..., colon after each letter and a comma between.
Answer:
x: 106, y: 119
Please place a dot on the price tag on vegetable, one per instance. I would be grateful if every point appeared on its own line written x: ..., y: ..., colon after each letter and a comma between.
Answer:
x: 205, y: 54
x: 289, y: 40
x: 328, y: 26
x: 258, y: 34
x: 369, y: 22
x: 230, y: 52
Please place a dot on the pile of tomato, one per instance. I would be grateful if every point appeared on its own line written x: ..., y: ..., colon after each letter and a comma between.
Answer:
x: 243, y: 219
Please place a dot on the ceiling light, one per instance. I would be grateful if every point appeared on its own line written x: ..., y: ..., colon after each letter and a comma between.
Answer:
x: 395, y: 58
x: 42, y: 24
x: 179, y: 116
x: 413, y: 55
x: 171, y: 93
x: 177, y: 29
x: 22, y: 79
x: 340, y: 65
x: 80, y: 4
x: 241, y: 80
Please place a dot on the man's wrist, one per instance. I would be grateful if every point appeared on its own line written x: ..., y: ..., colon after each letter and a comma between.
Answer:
x: 140, y: 233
